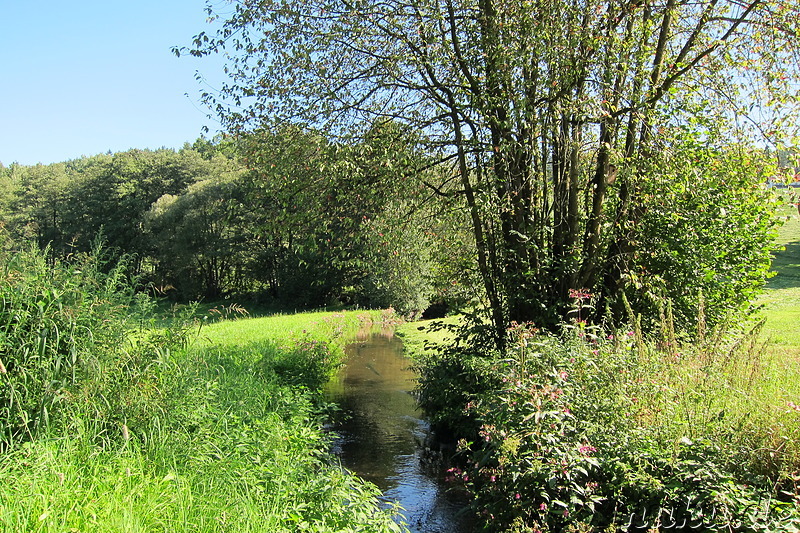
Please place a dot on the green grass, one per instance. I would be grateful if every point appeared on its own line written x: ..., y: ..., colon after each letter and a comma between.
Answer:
x: 416, y: 335
x: 223, y: 437
x: 246, y: 331
x: 781, y: 298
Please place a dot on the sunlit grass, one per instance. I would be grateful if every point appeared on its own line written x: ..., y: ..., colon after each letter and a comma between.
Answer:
x: 245, y: 331
x: 781, y: 309
x: 415, y: 335
x: 233, y: 442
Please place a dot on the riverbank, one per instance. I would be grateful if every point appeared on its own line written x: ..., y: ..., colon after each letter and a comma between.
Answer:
x: 224, y: 435
x: 592, y: 429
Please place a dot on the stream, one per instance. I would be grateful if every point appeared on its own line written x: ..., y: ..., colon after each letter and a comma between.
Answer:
x: 381, y: 436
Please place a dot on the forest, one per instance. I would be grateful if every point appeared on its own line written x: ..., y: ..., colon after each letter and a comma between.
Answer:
x: 320, y: 225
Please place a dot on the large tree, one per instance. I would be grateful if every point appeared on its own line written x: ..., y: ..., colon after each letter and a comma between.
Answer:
x: 323, y: 213
x: 559, y: 119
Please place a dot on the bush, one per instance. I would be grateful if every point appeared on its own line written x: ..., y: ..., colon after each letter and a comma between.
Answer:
x: 588, y: 430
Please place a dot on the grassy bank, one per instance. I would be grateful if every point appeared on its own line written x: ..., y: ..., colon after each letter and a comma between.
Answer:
x: 201, y: 426
x: 781, y: 299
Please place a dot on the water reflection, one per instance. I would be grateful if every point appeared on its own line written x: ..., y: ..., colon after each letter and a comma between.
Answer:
x: 382, y: 435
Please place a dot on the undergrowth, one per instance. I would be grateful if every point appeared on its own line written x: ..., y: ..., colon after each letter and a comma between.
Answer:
x: 593, y: 430
x: 113, y: 419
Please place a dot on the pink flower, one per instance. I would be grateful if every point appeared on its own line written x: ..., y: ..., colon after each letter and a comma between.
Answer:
x: 586, y: 449
x: 517, y: 496
x: 580, y: 294
x: 542, y: 506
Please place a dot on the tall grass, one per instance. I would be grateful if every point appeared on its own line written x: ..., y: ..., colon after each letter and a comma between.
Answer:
x: 57, y: 326
x: 151, y: 428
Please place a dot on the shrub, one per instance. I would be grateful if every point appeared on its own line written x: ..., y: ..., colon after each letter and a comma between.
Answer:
x: 588, y: 430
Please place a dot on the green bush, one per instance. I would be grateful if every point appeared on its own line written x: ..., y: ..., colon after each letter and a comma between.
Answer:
x: 587, y: 430
x: 452, y: 376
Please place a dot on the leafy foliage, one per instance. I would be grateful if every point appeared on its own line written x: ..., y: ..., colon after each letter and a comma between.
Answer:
x: 545, y: 118
x: 588, y: 430
x: 705, y: 236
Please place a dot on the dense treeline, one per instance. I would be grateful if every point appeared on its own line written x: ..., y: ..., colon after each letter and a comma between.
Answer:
x: 286, y: 218
x: 289, y: 218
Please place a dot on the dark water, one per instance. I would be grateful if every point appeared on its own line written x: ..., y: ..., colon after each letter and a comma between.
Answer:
x: 383, y: 438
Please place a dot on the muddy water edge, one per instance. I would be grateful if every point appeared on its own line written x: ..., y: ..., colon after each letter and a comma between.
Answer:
x: 382, y: 437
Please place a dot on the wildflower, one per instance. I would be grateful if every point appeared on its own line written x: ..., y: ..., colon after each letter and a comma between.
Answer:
x: 586, y: 449
x: 563, y: 375
x: 542, y: 506
x: 580, y: 294
x: 517, y: 496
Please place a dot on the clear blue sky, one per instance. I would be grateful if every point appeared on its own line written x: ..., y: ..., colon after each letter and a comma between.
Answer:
x: 83, y: 77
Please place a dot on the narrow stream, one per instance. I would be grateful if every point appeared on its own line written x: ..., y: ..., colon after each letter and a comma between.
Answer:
x: 381, y: 435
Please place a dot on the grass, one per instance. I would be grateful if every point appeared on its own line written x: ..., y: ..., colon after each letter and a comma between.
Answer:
x: 416, y: 335
x: 779, y: 386
x: 244, y: 332
x: 781, y: 299
x: 225, y: 436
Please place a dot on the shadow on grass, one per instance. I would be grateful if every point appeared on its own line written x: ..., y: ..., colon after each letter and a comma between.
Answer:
x: 787, y: 265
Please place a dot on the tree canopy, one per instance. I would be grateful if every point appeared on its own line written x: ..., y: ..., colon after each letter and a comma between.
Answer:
x: 556, y: 121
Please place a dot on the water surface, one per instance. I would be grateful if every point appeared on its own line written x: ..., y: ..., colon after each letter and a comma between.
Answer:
x: 382, y: 436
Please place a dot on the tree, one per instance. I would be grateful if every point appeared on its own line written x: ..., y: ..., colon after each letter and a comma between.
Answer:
x: 319, y: 208
x: 548, y: 112
x: 200, y: 237
x: 36, y: 202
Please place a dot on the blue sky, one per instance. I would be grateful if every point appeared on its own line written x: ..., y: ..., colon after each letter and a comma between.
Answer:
x: 84, y: 77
